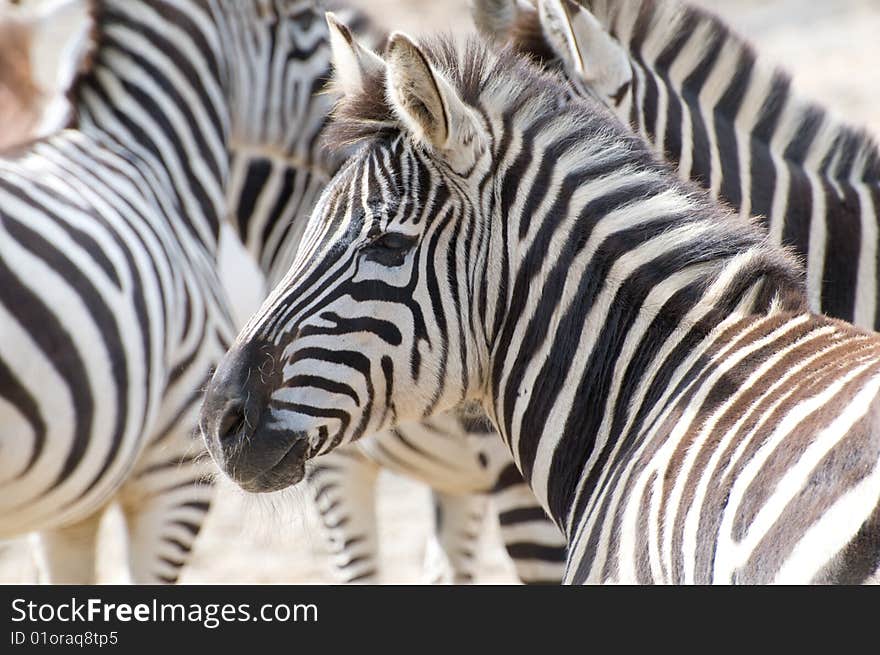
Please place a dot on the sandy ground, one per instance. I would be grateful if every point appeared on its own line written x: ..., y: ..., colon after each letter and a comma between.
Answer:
x: 831, y: 48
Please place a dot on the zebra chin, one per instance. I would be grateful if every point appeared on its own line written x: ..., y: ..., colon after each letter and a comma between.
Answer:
x: 257, y: 457
x: 262, y: 459
x: 250, y: 471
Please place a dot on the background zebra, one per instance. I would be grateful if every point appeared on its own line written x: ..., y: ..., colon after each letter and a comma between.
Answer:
x: 728, y: 120
x: 272, y: 192
x: 645, y: 355
x: 112, y: 312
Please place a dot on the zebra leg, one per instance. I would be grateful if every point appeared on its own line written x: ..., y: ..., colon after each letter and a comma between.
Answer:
x: 165, y: 502
x: 68, y: 553
x: 534, y: 542
x: 459, y: 520
x: 343, y: 486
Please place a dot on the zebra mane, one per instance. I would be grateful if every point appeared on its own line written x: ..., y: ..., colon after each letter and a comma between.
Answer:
x: 671, y: 21
x: 470, y: 67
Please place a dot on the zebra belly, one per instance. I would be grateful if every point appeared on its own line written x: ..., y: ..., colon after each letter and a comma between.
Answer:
x: 71, y: 422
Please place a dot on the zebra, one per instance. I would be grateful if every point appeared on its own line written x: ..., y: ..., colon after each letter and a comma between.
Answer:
x: 112, y: 314
x: 274, y: 156
x: 465, y: 463
x: 271, y: 193
x: 726, y: 119
x: 646, y: 354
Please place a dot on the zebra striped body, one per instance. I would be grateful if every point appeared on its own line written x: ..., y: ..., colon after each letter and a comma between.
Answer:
x: 775, y: 482
x: 113, y: 316
x: 646, y: 355
x: 272, y: 191
x: 729, y: 121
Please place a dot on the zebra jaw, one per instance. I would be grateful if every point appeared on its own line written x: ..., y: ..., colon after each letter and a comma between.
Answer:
x: 287, y: 472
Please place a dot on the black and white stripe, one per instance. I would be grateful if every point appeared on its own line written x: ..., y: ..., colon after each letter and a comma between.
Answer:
x: 112, y: 315
x: 466, y: 465
x: 728, y: 120
x: 646, y: 355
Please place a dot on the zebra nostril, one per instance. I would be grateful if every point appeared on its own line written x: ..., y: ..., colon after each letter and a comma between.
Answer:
x: 232, y: 422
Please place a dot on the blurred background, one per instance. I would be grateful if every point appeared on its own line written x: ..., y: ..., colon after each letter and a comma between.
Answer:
x: 831, y: 49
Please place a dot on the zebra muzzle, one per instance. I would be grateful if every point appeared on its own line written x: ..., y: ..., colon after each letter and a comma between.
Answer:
x: 257, y: 458
x: 234, y: 422
x: 286, y: 472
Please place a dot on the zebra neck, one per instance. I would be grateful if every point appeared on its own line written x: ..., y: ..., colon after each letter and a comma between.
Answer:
x: 595, y: 284
x: 730, y: 120
x: 155, y: 91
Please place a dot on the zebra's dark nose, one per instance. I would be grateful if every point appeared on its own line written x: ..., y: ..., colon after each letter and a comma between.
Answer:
x: 237, y: 425
x: 237, y: 397
x: 232, y: 420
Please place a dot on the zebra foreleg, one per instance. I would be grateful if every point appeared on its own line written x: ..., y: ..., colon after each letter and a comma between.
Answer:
x: 68, y: 554
x: 343, y: 486
x: 459, y: 519
x: 534, y: 542
x: 165, y: 502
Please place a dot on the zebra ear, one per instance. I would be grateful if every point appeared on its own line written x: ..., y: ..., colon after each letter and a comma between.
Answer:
x: 428, y: 106
x: 590, y: 52
x: 353, y: 63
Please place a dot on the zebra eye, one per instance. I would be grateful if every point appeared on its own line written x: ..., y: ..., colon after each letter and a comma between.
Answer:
x: 389, y: 249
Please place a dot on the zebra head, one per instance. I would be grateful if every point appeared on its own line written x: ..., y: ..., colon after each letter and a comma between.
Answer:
x: 278, y: 167
x: 356, y: 337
